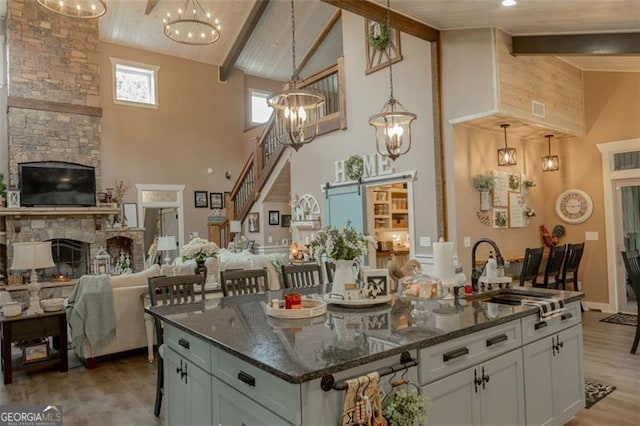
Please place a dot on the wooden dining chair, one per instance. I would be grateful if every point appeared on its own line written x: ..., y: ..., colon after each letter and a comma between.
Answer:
x: 301, y: 276
x: 570, y: 266
x: 330, y: 268
x: 531, y: 265
x: 176, y: 290
x: 554, y: 266
x: 632, y: 266
x: 244, y: 281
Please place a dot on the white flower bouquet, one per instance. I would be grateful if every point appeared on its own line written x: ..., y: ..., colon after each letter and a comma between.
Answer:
x: 199, y: 249
x: 340, y: 243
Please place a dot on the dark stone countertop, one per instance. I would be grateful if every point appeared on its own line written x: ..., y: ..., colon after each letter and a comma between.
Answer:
x: 304, y: 349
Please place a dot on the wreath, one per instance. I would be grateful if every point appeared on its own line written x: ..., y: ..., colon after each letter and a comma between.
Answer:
x: 354, y: 167
x: 380, y: 40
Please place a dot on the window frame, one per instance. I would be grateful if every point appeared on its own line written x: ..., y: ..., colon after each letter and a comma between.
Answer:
x: 260, y: 93
x: 151, y: 69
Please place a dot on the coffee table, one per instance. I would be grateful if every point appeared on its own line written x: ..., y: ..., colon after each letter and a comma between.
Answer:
x: 26, y: 327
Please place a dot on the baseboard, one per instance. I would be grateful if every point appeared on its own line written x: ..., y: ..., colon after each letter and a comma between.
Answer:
x: 596, y: 306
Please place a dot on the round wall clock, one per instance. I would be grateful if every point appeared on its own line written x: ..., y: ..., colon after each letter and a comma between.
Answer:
x: 574, y: 206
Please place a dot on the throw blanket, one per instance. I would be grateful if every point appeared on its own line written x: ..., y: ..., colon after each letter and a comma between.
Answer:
x: 90, y: 313
x: 548, y: 308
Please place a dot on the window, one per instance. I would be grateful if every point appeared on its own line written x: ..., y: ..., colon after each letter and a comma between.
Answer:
x: 260, y: 110
x: 134, y: 83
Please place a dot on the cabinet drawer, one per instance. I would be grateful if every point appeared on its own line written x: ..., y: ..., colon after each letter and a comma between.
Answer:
x: 193, y: 348
x: 447, y: 358
x: 533, y: 328
x: 280, y: 396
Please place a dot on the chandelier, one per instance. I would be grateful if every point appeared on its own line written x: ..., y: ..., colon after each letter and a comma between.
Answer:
x: 76, y: 8
x: 550, y: 163
x: 297, y: 109
x: 193, y: 25
x: 393, y: 123
x: 506, y: 155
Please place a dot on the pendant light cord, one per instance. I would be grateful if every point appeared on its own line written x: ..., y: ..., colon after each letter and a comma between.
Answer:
x: 294, y: 74
x: 389, y: 50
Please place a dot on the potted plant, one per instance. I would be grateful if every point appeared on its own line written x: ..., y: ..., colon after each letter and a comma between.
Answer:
x: 528, y: 184
x: 405, y: 406
x: 483, y: 183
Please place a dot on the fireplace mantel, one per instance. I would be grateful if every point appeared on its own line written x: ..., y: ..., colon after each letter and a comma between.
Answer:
x: 18, y: 213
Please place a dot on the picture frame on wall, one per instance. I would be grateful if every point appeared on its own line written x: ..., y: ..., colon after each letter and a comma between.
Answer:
x: 130, y: 214
x: 254, y: 222
x: 200, y: 199
x: 215, y: 200
x: 274, y: 217
x: 285, y: 220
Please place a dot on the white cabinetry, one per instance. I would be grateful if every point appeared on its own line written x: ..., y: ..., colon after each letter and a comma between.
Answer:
x: 187, y: 391
x: 489, y: 393
x: 555, y: 377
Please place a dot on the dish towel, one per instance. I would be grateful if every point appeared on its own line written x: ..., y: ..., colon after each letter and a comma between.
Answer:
x: 361, y: 405
x: 548, y: 308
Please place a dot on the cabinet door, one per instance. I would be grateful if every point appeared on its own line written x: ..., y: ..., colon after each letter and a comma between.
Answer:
x: 231, y: 408
x: 538, y: 372
x: 568, y: 384
x: 502, y: 394
x: 175, y: 389
x: 199, y: 395
x: 455, y: 400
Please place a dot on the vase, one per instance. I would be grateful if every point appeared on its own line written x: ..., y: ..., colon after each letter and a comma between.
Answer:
x: 201, y: 269
x: 346, y: 272
x: 484, y: 200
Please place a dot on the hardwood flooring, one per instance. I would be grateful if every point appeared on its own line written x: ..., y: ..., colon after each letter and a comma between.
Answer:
x: 122, y: 391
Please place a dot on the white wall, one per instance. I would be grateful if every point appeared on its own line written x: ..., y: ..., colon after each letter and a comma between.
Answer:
x: 313, y: 165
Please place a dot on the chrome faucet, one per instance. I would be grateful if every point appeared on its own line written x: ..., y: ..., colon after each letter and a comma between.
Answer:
x: 475, y: 272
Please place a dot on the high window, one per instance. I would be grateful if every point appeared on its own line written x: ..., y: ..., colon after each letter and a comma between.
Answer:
x: 260, y: 110
x: 135, y: 83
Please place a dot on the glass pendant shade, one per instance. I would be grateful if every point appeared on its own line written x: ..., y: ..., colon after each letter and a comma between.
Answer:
x: 297, y: 110
x: 393, y: 123
x: 550, y: 163
x: 506, y: 155
x: 87, y: 9
x: 192, y: 25
x: 393, y: 129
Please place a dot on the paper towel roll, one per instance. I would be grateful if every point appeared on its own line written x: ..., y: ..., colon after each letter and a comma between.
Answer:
x: 443, y: 254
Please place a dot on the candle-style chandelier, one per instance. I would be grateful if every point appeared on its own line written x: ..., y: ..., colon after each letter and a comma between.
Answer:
x: 192, y: 25
x: 76, y: 8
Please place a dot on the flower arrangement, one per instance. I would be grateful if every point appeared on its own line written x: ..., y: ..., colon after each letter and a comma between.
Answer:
x: 199, y: 249
x: 483, y: 182
x: 405, y: 406
x: 354, y: 167
x: 529, y: 212
x: 529, y: 183
x: 340, y: 243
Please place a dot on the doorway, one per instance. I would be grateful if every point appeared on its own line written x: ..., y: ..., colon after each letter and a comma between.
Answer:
x: 627, y: 219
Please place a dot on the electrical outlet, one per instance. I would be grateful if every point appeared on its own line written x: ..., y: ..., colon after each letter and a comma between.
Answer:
x: 591, y: 236
x: 270, y: 239
x: 467, y: 241
x: 425, y: 241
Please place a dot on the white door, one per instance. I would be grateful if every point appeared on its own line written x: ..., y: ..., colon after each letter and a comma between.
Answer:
x: 627, y: 218
x: 169, y: 226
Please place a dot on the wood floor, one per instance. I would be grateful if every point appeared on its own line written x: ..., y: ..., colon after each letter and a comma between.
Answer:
x: 121, y: 392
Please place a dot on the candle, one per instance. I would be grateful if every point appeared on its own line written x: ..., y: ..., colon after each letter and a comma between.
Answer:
x: 293, y: 301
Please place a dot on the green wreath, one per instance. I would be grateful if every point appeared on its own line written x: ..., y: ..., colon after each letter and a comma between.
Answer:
x: 381, y: 41
x: 354, y: 167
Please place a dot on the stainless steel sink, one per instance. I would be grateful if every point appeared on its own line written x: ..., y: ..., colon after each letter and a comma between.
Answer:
x: 516, y: 298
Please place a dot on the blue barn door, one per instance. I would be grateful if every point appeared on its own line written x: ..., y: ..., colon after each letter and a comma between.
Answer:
x: 346, y: 203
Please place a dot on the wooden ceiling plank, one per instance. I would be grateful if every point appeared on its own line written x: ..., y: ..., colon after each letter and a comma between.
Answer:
x: 318, y: 41
x: 379, y: 14
x: 578, y: 44
x: 243, y: 36
x: 150, y: 5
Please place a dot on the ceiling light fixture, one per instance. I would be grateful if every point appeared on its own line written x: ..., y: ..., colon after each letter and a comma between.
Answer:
x: 193, y: 25
x: 509, y: 3
x: 76, y: 8
x: 393, y: 124
x: 297, y: 110
x: 506, y: 155
x: 550, y: 163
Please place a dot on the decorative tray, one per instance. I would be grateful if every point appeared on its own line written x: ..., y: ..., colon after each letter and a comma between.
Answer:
x: 310, y: 308
x: 357, y: 303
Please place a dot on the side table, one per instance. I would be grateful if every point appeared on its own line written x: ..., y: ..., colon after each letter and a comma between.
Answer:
x: 25, y: 327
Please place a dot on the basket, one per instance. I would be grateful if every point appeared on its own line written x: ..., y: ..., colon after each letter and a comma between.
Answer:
x: 310, y: 308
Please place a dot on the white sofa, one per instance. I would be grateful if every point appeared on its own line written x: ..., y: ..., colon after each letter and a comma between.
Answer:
x: 128, y: 295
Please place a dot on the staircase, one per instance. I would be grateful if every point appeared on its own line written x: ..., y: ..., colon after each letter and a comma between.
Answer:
x: 268, y: 152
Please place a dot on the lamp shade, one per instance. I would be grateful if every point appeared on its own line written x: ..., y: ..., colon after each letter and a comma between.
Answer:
x: 167, y: 242
x: 32, y: 255
x: 235, y: 226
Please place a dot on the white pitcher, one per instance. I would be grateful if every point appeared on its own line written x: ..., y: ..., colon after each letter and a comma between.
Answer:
x: 347, y: 271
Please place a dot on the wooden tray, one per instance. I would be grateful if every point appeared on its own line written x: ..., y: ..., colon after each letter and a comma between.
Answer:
x: 310, y: 308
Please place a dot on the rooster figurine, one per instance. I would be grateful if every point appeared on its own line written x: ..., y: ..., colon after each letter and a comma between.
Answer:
x: 550, y: 239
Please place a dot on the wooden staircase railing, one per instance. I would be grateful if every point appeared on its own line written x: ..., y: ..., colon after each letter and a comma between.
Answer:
x: 267, y: 152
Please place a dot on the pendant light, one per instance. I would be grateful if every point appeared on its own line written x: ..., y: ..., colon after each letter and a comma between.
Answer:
x: 550, y: 163
x: 86, y: 9
x: 192, y: 25
x: 506, y: 155
x: 297, y: 110
x: 393, y: 124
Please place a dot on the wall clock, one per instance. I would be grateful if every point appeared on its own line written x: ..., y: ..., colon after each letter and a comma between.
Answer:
x: 574, y: 206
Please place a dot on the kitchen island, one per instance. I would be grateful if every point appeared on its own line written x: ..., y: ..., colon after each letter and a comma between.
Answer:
x: 227, y: 362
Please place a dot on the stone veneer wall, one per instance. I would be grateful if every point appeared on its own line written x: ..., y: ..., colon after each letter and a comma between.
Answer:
x: 53, y: 88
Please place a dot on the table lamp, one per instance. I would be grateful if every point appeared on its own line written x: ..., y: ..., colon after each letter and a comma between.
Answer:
x: 167, y: 243
x: 235, y: 227
x: 32, y: 255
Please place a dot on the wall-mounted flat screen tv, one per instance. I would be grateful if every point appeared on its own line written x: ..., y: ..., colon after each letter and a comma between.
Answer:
x: 57, y: 183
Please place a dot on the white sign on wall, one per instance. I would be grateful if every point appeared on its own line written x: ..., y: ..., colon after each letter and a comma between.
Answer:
x: 373, y: 165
